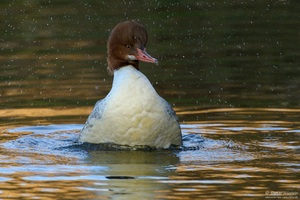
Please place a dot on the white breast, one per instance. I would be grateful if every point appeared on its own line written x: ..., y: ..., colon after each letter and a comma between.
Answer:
x: 132, y: 114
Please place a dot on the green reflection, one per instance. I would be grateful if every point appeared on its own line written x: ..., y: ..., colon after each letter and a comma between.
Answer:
x: 211, y: 53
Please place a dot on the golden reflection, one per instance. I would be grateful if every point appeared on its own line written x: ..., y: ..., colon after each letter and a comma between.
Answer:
x: 42, y: 116
x: 16, y: 158
x: 45, y: 112
x: 215, y: 180
x: 249, y: 116
x: 19, y: 188
x: 247, y: 157
x: 229, y: 121
x: 234, y: 169
x: 238, y: 110
x: 255, y: 113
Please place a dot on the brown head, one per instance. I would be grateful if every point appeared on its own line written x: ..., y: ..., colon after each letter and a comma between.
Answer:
x: 127, y: 46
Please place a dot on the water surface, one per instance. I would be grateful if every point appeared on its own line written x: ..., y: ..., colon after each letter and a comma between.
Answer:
x: 230, y: 70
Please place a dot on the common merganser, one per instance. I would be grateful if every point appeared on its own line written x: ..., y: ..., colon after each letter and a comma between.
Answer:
x: 132, y: 113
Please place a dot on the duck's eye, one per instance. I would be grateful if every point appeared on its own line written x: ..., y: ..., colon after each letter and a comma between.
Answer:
x: 128, y: 46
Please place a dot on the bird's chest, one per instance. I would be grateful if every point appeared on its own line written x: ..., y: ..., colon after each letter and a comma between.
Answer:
x: 133, y: 102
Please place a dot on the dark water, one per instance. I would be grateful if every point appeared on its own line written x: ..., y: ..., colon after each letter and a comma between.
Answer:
x: 230, y: 69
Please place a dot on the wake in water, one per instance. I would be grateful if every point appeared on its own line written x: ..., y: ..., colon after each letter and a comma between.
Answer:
x: 61, y: 140
x: 65, y: 136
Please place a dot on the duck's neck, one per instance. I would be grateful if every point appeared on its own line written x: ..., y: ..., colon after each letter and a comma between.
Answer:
x: 128, y: 77
x: 114, y: 64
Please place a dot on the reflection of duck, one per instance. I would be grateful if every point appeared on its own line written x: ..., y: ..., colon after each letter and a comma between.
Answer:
x: 132, y: 113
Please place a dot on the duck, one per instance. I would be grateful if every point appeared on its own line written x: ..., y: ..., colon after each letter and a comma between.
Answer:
x: 133, y: 113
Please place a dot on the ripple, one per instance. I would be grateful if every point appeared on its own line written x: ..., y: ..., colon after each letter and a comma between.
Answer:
x: 202, y: 142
